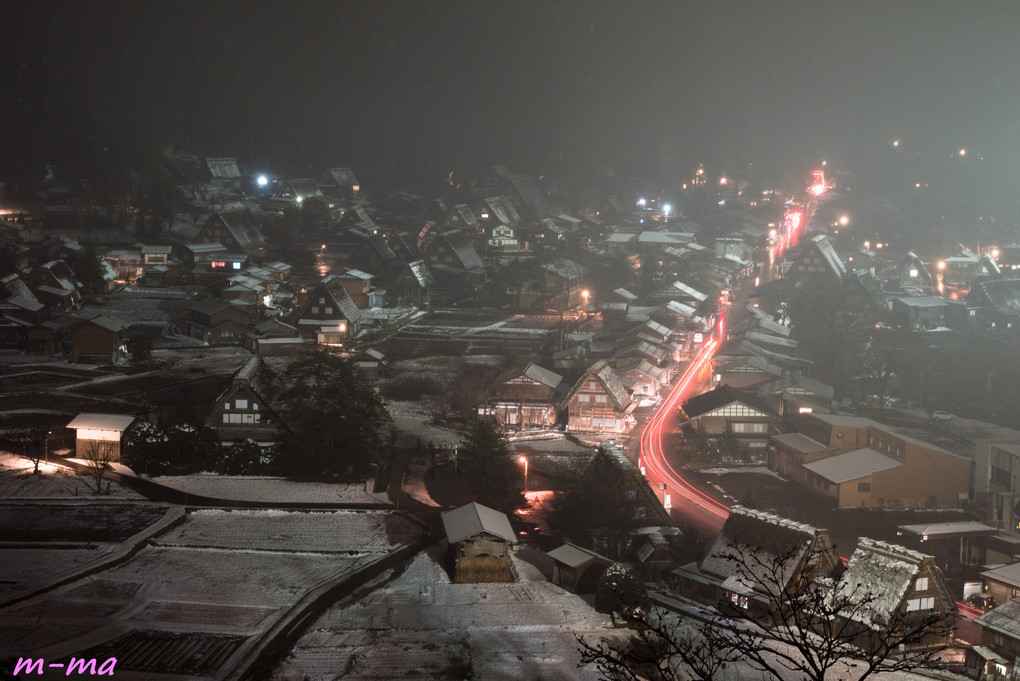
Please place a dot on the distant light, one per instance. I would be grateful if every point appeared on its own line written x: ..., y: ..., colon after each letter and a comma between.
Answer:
x: 825, y: 163
x: 262, y: 180
x: 878, y: 245
x: 913, y: 272
x: 963, y: 152
x: 300, y: 199
x: 666, y: 209
x: 844, y: 220
x: 942, y: 264
x: 701, y: 171
x: 642, y: 202
x: 995, y: 252
x: 896, y: 143
x: 722, y: 180
x: 805, y: 410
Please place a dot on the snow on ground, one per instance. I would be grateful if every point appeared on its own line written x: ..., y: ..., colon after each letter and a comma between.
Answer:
x: 17, y: 481
x: 225, y: 360
x: 422, y: 626
x: 27, y: 569
x: 411, y: 417
x: 342, y: 532
x: 253, y: 488
x: 220, y: 572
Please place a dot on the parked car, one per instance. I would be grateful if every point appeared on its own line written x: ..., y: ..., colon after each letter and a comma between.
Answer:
x: 942, y: 416
x: 981, y: 601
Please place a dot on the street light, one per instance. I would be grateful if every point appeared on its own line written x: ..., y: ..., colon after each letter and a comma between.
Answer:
x: 524, y: 460
x: 585, y: 294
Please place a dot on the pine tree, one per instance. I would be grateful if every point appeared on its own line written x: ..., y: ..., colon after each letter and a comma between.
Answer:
x: 486, y: 462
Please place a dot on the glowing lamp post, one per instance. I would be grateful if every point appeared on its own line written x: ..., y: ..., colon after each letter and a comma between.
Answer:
x: 524, y: 460
x: 585, y: 294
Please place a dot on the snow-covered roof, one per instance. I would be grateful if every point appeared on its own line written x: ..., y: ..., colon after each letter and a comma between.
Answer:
x: 688, y: 290
x: 542, y: 375
x: 852, y: 465
x: 572, y: 556
x: 825, y: 248
x: 877, y: 578
x: 1007, y: 574
x: 943, y: 529
x: 118, y: 422
x: 799, y: 442
x: 922, y: 301
x: 768, y: 537
x: 471, y: 519
x: 1005, y: 619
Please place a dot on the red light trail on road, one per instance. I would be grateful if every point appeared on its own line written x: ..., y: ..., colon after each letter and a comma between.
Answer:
x: 653, y: 460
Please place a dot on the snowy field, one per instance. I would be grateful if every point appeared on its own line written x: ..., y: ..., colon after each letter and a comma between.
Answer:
x: 17, y: 481
x: 412, y: 418
x: 421, y: 626
x: 253, y: 488
x: 217, y: 581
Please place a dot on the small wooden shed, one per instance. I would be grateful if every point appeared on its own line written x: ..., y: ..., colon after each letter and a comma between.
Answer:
x: 577, y: 569
x: 480, y: 540
x: 100, y: 434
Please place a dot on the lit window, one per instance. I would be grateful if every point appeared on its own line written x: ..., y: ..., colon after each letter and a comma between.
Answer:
x: 241, y: 404
x: 921, y: 584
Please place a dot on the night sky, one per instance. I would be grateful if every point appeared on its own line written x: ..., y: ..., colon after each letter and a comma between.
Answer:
x: 403, y: 88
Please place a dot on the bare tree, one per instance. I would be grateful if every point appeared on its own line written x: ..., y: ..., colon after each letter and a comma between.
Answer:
x: 34, y: 444
x: 98, y: 455
x: 789, y: 622
x: 664, y: 647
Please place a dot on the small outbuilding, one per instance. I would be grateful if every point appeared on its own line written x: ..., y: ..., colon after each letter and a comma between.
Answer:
x: 480, y: 540
x: 577, y: 569
x: 94, y: 432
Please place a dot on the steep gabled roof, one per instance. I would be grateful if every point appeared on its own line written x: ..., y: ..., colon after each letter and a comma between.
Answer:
x: 460, y: 244
x: 567, y: 269
x: 832, y: 259
x: 223, y: 168
x: 471, y: 519
x: 333, y: 287
x: 420, y: 272
x: 547, y: 378
x: 602, y: 372
x: 769, y: 537
x: 243, y: 228
x: 503, y: 209
x: 339, y: 177
x: 878, y: 577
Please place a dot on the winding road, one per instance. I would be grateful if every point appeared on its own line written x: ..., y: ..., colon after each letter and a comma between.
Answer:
x: 695, y: 505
